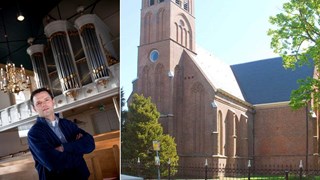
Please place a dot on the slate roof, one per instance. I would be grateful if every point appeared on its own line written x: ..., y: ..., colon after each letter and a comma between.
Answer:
x: 267, y: 81
x: 218, y: 73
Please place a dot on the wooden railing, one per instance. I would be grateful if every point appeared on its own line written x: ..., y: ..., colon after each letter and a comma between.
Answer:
x: 22, y: 113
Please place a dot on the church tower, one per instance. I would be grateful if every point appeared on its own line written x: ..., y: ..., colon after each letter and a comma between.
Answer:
x: 197, y: 95
x: 167, y: 29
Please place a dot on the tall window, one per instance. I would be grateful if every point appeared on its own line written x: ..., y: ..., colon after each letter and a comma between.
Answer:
x: 178, y: 2
x: 186, y: 5
x: 235, y: 120
x: 21, y: 97
x: 151, y: 2
x: 220, y: 133
x: 146, y: 33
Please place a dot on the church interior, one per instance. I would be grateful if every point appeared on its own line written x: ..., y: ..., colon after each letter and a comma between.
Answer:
x: 86, y: 91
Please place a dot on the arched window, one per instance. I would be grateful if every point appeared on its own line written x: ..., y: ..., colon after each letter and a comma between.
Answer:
x: 185, y: 38
x: 220, y: 133
x: 186, y: 5
x: 151, y: 2
x: 177, y: 32
x: 145, y: 81
x: 235, y: 133
x: 197, y: 117
x: 160, y: 83
x: 21, y: 96
x: 147, y: 24
x: 160, y: 24
x: 190, y: 40
x: 183, y: 32
x: 181, y: 35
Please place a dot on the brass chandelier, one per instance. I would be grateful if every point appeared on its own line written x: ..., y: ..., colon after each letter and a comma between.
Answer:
x: 12, y: 79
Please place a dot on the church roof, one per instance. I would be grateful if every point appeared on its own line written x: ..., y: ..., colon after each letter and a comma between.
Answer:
x: 267, y: 81
x: 218, y: 73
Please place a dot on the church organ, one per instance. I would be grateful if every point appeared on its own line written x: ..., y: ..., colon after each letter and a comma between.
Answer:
x: 93, y: 49
x: 57, y: 31
x: 81, y: 55
x: 39, y: 65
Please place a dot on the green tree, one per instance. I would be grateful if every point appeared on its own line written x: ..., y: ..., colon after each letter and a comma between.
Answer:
x: 123, y: 100
x: 141, y: 129
x: 123, y: 110
x: 296, y: 39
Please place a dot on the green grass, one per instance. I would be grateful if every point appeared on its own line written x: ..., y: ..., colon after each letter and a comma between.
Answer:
x: 275, y: 178
x: 262, y: 178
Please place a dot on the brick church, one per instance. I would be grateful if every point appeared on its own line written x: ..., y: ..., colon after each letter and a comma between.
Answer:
x: 225, y: 114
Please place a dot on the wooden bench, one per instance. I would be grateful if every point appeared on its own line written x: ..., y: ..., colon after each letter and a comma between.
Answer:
x: 107, y: 143
x: 108, y: 135
x: 104, y: 163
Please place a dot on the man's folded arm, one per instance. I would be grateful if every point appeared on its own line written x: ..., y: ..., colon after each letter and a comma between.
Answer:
x: 49, y: 157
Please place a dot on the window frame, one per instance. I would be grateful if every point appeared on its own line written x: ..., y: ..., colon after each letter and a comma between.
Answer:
x: 151, y: 2
x: 152, y: 54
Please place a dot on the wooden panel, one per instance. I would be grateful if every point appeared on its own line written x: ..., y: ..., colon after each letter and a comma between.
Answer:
x: 108, y: 135
x: 104, y: 163
x: 107, y: 143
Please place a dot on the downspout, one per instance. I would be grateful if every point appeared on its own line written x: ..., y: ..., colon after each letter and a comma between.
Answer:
x: 307, y: 137
x: 253, y: 136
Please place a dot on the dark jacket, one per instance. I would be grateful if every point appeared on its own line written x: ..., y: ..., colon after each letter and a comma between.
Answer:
x: 52, y: 164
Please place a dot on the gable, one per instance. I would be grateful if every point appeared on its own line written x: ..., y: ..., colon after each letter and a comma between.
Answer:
x: 218, y: 74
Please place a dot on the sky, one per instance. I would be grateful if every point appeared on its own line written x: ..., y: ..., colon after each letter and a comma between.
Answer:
x: 235, y: 31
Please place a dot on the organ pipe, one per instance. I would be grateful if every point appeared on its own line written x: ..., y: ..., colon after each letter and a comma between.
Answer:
x: 39, y: 65
x: 87, y: 26
x: 57, y: 32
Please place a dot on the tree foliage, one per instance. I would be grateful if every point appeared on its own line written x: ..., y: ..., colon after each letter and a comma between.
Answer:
x: 140, y: 130
x: 123, y: 100
x: 296, y: 39
x: 123, y: 111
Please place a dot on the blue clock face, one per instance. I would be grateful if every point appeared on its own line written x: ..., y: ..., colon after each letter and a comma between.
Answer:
x: 154, y: 55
